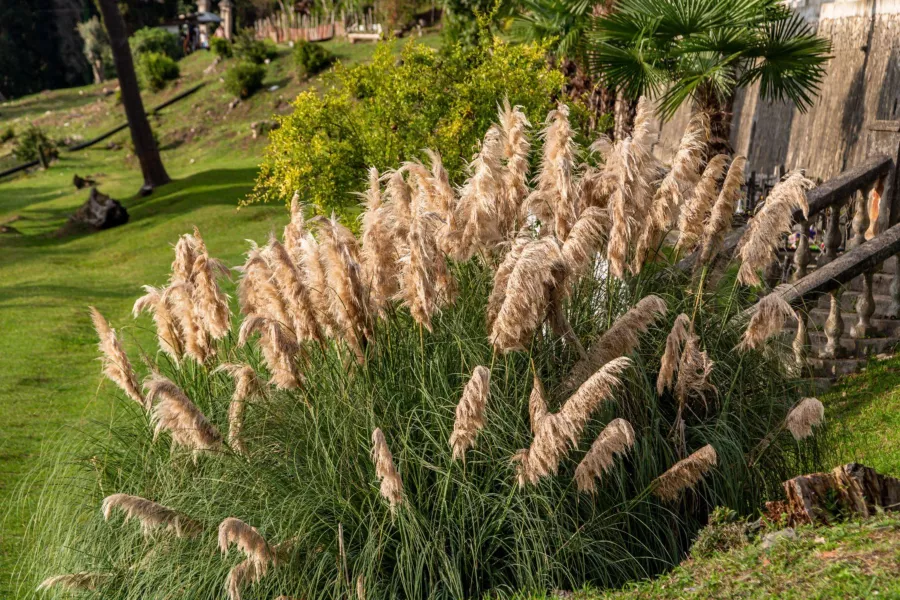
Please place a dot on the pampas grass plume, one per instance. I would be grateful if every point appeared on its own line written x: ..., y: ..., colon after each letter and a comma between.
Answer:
x: 248, y: 540
x: 768, y: 320
x: 116, y: 365
x: 685, y: 474
x: 175, y: 412
x: 672, y: 355
x: 808, y: 413
x: 150, y: 514
x: 75, y: 581
x: 391, y: 485
x: 722, y: 212
x: 470, y: 412
x: 616, y: 438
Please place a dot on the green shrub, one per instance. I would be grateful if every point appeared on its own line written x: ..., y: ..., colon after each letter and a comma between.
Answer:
x: 311, y: 58
x: 381, y: 113
x: 154, y: 70
x: 154, y: 39
x: 724, y: 532
x: 221, y: 47
x: 297, y: 464
x: 31, y: 142
x: 244, y: 78
x: 7, y: 135
x: 248, y: 48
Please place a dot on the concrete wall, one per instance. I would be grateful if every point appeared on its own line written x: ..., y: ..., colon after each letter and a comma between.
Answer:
x: 862, y: 85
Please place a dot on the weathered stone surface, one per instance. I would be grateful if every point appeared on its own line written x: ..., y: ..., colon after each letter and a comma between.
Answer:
x: 100, y: 212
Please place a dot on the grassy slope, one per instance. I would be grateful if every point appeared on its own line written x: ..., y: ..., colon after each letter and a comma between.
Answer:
x: 49, y: 376
x: 852, y: 560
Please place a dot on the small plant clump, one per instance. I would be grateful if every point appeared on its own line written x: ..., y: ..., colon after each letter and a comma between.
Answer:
x: 221, y: 47
x: 8, y: 134
x: 155, y: 70
x: 244, y: 78
x: 311, y: 58
x: 247, y: 48
x: 33, y: 144
x: 725, y: 531
x: 154, y: 39
x: 467, y: 398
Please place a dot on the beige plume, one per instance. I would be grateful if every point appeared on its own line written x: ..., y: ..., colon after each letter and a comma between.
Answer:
x: 75, y: 581
x: 391, y: 485
x: 167, y: 332
x: 116, y: 365
x: 279, y: 350
x: 537, y: 405
x: 378, y: 253
x: 808, y: 413
x: 722, y: 212
x: 516, y: 147
x: 248, y: 540
x: 296, y: 296
x: 768, y: 319
x: 244, y: 573
x: 759, y: 245
x: 616, y: 438
x: 585, y: 239
x: 694, y: 370
x: 620, y: 339
x: 676, y: 185
x: 246, y: 385
x: 695, y: 214
x: 539, y: 271
x: 672, y: 355
x: 501, y: 279
x: 314, y: 268
x: 554, y: 433
x: 185, y: 255
x: 470, y: 413
x: 555, y: 195
x: 175, y: 412
x: 685, y: 474
x: 210, y: 302
x: 417, y: 288
x: 180, y: 296
x: 295, y: 230
x: 480, y: 197
x: 257, y: 292
x: 150, y: 515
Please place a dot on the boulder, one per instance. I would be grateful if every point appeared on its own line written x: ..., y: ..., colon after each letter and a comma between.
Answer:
x: 100, y: 212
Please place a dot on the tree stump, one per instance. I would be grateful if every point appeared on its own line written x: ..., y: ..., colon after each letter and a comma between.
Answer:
x: 848, y: 490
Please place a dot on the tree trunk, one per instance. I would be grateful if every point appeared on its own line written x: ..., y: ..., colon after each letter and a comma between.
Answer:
x: 625, y: 111
x: 720, y: 113
x: 141, y: 134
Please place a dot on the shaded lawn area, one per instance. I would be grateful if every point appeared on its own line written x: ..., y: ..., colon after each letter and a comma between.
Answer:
x: 50, y: 378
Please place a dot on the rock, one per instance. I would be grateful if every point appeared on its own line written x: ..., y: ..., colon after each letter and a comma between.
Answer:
x: 146, y: 190
x: 9, y: 229
x: 99, y: 212
x: 234, y: 103
x: 259, y: 128
x: 212, y: 67
x: 82, y: 182
x: 113, y: 146
x: 274, y: 88
x: 770, y: 539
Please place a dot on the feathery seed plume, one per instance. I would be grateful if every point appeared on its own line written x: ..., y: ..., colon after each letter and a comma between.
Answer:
x: 480, y: 198
x: 391, y: 485
x: 185, y: 255
x: 585, y: 239
x: 470, y: 413
x: 116, y: 365
x: 279, y: 350
x: 556, y: 432
x: 555, y: 196
x: 516, y: 147
x: 75, y: 581
x: 685, y: 473
x: 150, y: 515
x: 722, y: 212
x: 537, y: 405
x: 241, y: 575
x: 758, y: 246
x: 247, y: 384
x: 808, y: 413
x: 248, y: 540
x: 175, y: 412
x: 378, y: 252
x: 501, y: 278
x: 180, y: 296
x: 167, y: 332
x: 417, y: 288
x: 620, y: 339
x: 672, y: 355
x: 539, y: 271
x: 616, y: 438
x: 694, y: 370
x: 696, y: 211
x: 295, y: 230
x: 210, y: 302
x: 768, y: 320
x: 296, y: 296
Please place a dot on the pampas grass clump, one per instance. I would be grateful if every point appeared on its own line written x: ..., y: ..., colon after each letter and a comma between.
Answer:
x: 416, y: 412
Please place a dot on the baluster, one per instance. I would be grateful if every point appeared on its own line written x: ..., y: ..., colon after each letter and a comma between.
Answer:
x: 801, y: 255
x: 865, y: 304
x: 834, y: 327
x: 894, y: 310
x: 801, y: 340
x: 832, y: 237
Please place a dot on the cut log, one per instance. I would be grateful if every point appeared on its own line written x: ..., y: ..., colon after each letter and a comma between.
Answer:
x: 848, y: 490
x: 100, y: 212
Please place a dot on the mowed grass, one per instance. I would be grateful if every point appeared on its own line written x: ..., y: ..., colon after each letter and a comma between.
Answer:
x: 49, y: 375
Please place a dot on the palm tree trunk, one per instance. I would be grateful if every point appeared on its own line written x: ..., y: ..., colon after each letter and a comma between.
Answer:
x: 141, y: 134
x: 720, y: 112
